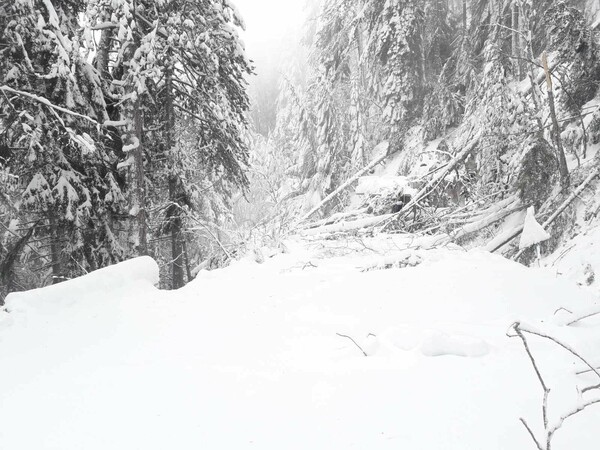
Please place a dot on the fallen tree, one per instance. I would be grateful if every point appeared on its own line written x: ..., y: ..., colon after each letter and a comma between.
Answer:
x: 507, y: 237
x: 435, y: 181
x: 347, y: 226
x: 344, y: 186
x: 502, y: 210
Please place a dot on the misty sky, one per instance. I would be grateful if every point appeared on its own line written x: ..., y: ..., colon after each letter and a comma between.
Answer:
x: 267, y: 22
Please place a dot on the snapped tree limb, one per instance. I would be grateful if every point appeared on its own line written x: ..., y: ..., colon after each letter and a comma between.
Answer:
x: 435, y: 181
x: 343, y: 187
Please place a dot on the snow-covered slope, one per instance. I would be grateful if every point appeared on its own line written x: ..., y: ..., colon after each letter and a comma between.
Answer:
x: 261, y: 356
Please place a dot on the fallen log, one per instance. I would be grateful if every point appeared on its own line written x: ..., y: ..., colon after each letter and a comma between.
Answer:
x: 496, y: 244
x: 343, y: 187
x: 500, y: 241
x: 433, y: 183
x: 346, y: 226
x: 335, y: 218
x: 485, y: 222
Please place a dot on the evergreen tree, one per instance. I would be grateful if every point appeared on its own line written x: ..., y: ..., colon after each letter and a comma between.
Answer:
x: 53, y: 111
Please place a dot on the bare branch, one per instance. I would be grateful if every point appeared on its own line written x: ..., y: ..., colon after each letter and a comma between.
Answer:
x: 531, y: 434
x: 519, y: 332
x: 565, y: 346
x: 587, y: 316
x: 577, y: 410
x: 348, y: 337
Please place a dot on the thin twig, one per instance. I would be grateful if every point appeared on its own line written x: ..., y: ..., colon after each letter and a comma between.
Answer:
x: 566, y: 347
x: 519, y: 333
x: 560, y: 422
x: 531, y: 434
x: 348, y: 337
x: 587, y: 316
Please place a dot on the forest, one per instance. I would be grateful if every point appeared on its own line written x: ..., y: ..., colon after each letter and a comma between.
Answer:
x: 126, y: 127
x: 386, y: 236
x: 485, y: 107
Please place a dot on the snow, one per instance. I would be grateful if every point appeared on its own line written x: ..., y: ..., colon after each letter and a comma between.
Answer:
x: 383, y: 185
x: 579, y: 259
x: 97, y: 283
x: 251, y: 356
x: 533, y: 232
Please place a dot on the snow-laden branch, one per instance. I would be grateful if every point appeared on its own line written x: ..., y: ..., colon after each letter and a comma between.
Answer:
x: 49, y: 104
x: 104, y: 26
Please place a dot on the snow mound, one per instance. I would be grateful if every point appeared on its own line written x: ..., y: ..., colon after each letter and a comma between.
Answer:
x: 101, y: 282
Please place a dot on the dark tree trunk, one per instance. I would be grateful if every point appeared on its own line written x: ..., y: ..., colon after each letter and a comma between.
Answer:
x: 176, y: 193
x: 104, y: 48
x: 516, y: 41
x: 140, y: 184
x: 55, y: 253
x: 188, y: 269
x: 175, y: 222
x: 562, y: 160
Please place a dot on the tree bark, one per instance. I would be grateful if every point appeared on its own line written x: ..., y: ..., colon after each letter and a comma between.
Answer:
x: 562, y: 160
x: 516, y: 47
x: 140, y: 185
x: 57, y: 275
x: 177, y: 253
x: 135, y: 137
x: 175, y: 193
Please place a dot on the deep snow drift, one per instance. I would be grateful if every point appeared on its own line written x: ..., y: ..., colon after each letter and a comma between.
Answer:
x: 252, y: 356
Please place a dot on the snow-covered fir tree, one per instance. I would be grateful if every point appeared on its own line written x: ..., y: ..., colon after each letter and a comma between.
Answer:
x: 81, y: 83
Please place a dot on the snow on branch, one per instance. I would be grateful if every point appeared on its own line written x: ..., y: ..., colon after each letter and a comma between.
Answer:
x: 135, y: 143
x: 104, y: 26
x: 48, y: 103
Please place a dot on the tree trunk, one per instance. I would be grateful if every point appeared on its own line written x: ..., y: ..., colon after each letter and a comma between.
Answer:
x: 140, y: 186
x: 188, y: 269
x: 176, y: 193
x: 103, y: 48
x: 562, y: 160
x: 177, y: 255
x: 515, y: 42
x: 57, y: 275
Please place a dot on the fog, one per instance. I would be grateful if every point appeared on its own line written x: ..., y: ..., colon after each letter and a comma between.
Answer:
x: 273, y: 30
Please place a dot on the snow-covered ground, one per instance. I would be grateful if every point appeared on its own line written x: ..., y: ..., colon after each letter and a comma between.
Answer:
x: 261, y: 355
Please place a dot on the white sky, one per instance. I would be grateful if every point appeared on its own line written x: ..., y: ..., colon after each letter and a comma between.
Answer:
x: 268, y: 21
